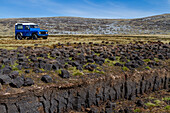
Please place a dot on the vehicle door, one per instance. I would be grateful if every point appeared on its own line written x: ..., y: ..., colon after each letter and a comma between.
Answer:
x: 26, y: 30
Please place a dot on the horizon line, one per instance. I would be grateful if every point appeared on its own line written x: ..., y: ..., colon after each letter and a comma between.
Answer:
x: 86, y: 17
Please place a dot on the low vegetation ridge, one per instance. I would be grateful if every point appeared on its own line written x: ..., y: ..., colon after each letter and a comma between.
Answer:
x: 75, y: 25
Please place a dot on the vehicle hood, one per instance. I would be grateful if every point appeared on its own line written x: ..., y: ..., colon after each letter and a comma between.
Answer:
x: 38, y: 30
x: 34, y: 29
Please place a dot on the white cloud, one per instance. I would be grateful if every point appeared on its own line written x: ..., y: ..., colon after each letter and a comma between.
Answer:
x: 108, y: 10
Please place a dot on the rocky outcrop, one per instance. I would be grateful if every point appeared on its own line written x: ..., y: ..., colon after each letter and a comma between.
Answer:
x: 86, y: 94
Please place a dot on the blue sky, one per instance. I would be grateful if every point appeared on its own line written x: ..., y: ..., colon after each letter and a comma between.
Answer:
x: 83, y: 8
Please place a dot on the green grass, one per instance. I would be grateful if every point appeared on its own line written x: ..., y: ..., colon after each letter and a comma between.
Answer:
x: 77, y: 72
x: 50, y: 57
x: 111, y: 63
x: 42, y: 69
x: 14, y: 67
x: 124, y: 68
x: 58, y: 71
x: 149, y: 104
x: 156, y: 59
x: 70, y: 58
x: 3, y: 66
x: 166, y: 98
x: 137, y: 110
x: 167, y: 107
x: 151, y: 98
x: 97, y: 54
x: 157, y: 102
x: 146, y: 60
x: 147, y: 67
x: 97, y: 71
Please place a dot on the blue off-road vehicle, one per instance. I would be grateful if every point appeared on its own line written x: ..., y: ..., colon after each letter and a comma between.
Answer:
x: 30, y: 30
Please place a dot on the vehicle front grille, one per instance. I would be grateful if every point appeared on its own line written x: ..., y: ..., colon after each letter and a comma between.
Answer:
x: 43, y: 32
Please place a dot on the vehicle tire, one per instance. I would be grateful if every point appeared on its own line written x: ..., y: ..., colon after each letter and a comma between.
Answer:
x: 18, y: 37
x: 34, y: 37
x: 44, y: 37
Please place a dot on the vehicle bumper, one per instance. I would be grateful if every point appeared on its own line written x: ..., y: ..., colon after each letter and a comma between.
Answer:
x: 43, y: 35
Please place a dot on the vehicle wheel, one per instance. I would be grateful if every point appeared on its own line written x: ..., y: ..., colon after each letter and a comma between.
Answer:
x: 34, y: 37
x: 44, y: 37
x: 18, y: 37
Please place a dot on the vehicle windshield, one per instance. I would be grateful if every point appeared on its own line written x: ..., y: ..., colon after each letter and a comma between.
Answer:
x: 34, y: 26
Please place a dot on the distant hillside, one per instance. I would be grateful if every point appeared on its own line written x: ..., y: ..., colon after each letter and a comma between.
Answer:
x: 159, y: 24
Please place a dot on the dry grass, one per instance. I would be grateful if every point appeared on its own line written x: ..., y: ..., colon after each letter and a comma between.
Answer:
x: 11, y: 43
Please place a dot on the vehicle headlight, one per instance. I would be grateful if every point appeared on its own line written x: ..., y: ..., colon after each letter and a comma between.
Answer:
x: 39, y: 32
x: 46, y: 32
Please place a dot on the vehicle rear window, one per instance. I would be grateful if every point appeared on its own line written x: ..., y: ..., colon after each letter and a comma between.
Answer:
x: 34, y: 26
x: 19, y: 26
x: 26, y: 27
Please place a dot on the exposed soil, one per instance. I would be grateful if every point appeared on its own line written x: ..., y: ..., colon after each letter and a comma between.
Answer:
x: 156, y: 102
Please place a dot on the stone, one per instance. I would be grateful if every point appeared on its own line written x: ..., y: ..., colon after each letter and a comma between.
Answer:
x: 55, y: 67
x: 28, y: 82
x: 27, y: 71
x: 64, y: 74
x: 112, y: 58
x: 19, y: 67
x: 139, y: 103
x: 36, y: 70
x: 94, y: 110
x: 160, y: 56
x: 90, y: 60
x: 13, y: 74
x: 6, y: 61
x: 75, y: 64
x: 2, y: 109
x: 5, y: 79
x: 118, y: 64
x: 88, y: 67
x: 12, y: 108
x: 6, y: 70
x: 46, y: 78
x: 17, y: 82
x: 48, y: 66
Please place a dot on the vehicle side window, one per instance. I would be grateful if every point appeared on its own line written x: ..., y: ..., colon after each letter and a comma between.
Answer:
x: 19, y: 27
x: 26, y: 27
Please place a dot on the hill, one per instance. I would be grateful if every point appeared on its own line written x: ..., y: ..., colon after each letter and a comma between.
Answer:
x: 159, y: 24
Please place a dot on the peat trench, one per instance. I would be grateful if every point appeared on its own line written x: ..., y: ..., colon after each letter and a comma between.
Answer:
x: 86, y: 94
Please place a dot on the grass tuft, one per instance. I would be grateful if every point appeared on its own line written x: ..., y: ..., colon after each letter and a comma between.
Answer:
x: 125, y: 68
x: 137, y: 110
x: 167, y: 107
x: 149, y: 104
